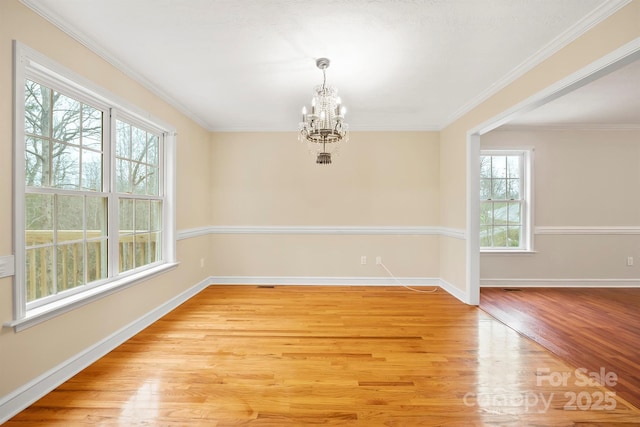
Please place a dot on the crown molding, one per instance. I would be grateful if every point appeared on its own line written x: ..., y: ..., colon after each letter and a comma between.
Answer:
x: 581, y: 27
x: 429, y: 127
x: 571, y: 126
x: 105, y: 54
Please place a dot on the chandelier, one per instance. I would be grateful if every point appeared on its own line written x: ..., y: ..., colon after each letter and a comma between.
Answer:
x: 324, y: 127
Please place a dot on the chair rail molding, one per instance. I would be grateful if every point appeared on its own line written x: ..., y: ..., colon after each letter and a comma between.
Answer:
x: 587, y: 230
x: 324, y: 230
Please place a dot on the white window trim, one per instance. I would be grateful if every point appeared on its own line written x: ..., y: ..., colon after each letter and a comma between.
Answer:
x: 528, y: 217
x: 28, y: 63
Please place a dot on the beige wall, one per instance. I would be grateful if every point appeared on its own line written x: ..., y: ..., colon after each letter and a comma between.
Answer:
x: 581, y: 179
x: 379, y: 179
x: 30, y: 353
x: 326, y: 256
x: 614, y: 32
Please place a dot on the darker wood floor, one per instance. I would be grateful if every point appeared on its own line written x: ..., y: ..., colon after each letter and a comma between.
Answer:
x: 588, y: 328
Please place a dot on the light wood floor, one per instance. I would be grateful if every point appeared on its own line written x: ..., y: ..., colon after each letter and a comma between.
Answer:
x: 356, y: 356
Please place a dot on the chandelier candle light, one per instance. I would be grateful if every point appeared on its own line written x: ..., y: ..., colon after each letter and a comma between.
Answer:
x: 324, y: 127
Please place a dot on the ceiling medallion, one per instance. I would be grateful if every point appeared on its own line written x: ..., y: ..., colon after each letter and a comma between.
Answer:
x: 324, y: 127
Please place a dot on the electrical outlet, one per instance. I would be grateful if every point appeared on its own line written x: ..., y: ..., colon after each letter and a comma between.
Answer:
x: 378, y: 260
x: 629, y: 261
x: 201, y: 262
x: 363, y: 260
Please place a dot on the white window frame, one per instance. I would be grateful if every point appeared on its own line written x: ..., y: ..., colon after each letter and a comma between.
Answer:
x: 526, y: 176
x: 30, y: 64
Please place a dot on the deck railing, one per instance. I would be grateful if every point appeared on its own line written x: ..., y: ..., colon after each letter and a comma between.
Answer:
x: 73, y: 247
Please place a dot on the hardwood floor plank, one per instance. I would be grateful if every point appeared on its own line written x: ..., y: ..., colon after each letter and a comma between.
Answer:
x: 300, y: 356
x: 591, y: 328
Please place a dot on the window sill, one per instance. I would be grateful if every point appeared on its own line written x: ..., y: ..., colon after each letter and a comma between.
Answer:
x: 49, y: 311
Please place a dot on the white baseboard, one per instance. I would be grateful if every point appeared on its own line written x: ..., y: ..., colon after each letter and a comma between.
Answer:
x: 324, y: 281
x: 24, y: 396
x: 456, y: 292
x: 559, y: 283
x: 340, y: 281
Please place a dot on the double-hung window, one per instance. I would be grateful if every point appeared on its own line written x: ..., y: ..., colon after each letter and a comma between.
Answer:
x: 505, y: 200
x: 93, y: 190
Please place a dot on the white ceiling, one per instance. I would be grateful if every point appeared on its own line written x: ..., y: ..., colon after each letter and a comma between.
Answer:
x: 398, y: 64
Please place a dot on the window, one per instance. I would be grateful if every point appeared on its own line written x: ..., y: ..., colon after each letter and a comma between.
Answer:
x: 93, y: 189
x: 504, y: 195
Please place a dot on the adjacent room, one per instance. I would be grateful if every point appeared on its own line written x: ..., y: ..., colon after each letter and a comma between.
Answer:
x: 358, y: 212
x: 566, y: 275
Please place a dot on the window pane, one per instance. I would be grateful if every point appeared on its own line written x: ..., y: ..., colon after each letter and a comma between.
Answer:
x: 139, y: 175
x: 91, y: 128
x: 513, y: 234
x: 66, y: 119
x: 139, y: 145
x: 513, y: 190
x: 485, y: 166
x: 514, y: 214
x: 126, y: 215
x: 485, y: 189
x: 156, y: 216
x: 142, y: 249
x: 96, y: 217
x: 498, y: 189
x: 513, y: 166
x: 500, y: 213
x: 485, y: 236
x: 123, y: 176
x: 152, y: 147
x: 96, y: 260
x: 500, y: 236
x: 155, y: 247
x: 126, y: 252
x: 66, y: 166
x: 39, y: 219
x: 37, y: 160
x: 123, y: 139
x: 91, y: 170
x: 486, y: 213
x: 37, y: 109
x: 498, y: 166
x: 143, y: 215
x: 153, y: 187
x: 70, y: 214
x: 70, y: 266
x: 39, y: 272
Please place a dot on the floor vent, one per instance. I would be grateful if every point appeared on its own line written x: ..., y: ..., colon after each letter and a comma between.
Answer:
x: 512, y: 290
x: 266, y: 286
